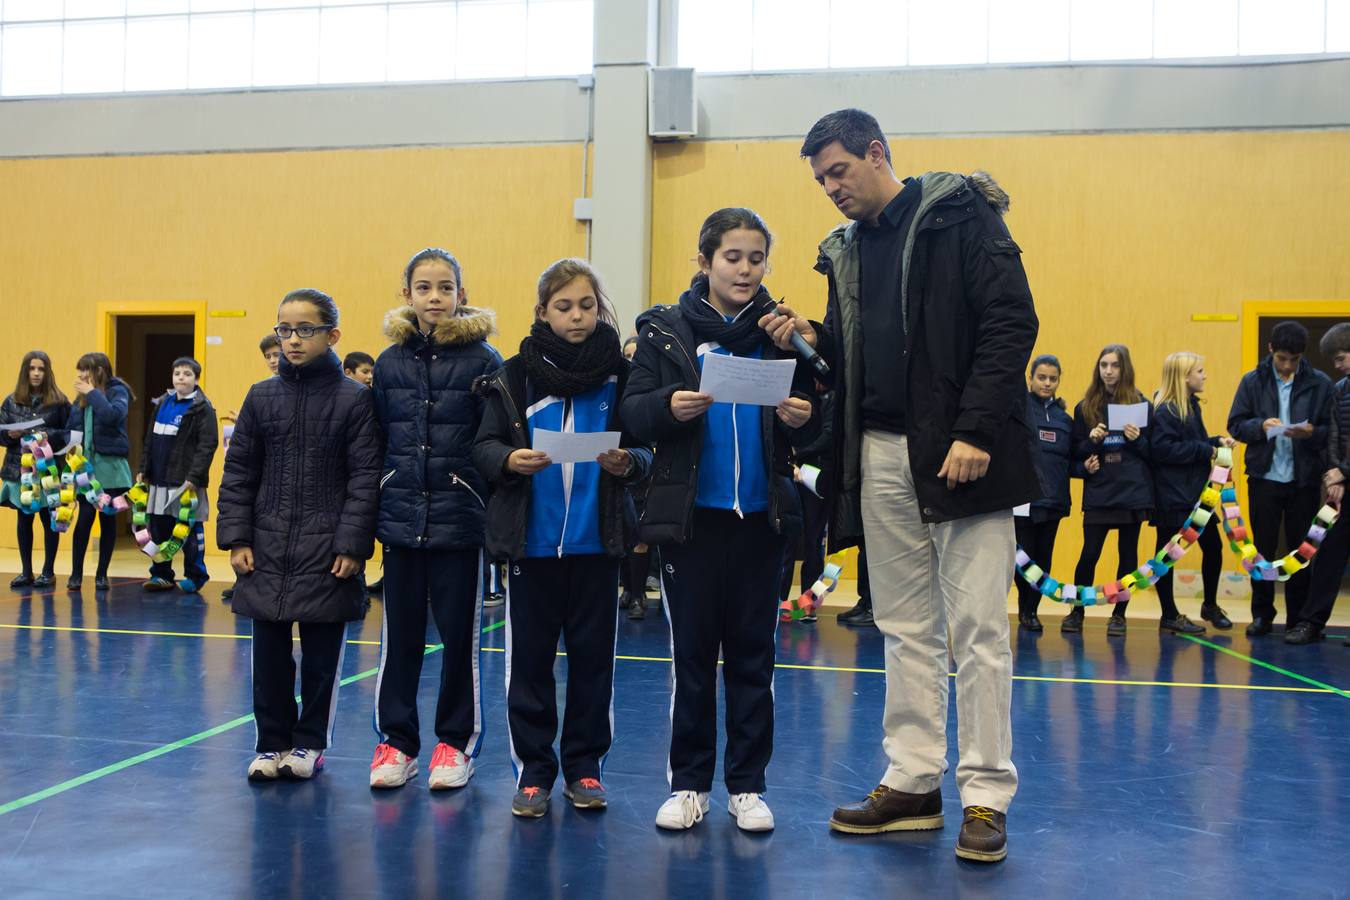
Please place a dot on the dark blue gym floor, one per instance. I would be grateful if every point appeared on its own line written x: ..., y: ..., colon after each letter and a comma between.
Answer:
x: 1151, y: 766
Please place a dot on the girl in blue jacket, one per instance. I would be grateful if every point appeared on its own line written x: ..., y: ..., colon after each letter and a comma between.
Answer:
x: 562, y: 527
x: 1119, y: 494
x: 721, y: 506
x: 1036, y: 529
x: 1183, y: 453
x: 432, y: 503
x: 100, y: 415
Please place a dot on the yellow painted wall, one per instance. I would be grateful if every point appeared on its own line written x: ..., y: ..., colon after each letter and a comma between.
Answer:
x: 1123, y: 237
x: 238, y: 230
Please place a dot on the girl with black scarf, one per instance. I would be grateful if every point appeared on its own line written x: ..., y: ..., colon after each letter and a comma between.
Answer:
x: 562, y: 528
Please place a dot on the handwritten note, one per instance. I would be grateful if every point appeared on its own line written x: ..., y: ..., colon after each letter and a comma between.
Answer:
x: 1118, y: 415
x: 1281, y: 430
x: 572, y: 447
x: 741, y: 379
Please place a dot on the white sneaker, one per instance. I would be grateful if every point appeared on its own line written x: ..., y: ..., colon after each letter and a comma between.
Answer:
x: 682, y: 811
x: 751, y: 812
x: 264, y: 767
x: 391, y: 767
x: 300, y: 763
x: 450, y: 768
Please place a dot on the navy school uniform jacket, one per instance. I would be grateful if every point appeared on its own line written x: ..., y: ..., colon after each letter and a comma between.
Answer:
x: 732, y: 457
x: 431, y: 495
x: 565, y: 510
x: 1053, y: 430
x: 110, y: 407
x: 1125, y: 480
x: 1182, y: 453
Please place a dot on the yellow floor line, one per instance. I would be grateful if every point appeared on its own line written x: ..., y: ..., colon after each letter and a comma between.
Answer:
x: 666, y: 659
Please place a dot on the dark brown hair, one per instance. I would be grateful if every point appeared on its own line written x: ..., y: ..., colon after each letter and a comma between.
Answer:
x: 51, y: 394
x: 716, y: 226
x: 101, y: 368
x: 1097, y: 397
x: 562, y: 273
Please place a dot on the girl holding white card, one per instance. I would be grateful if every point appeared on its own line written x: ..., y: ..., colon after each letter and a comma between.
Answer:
x: 1119, y: 494
x: 720, y: 507
x: 562, y: 529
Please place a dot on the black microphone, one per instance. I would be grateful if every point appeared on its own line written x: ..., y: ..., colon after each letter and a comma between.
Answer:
x: 804, y: 350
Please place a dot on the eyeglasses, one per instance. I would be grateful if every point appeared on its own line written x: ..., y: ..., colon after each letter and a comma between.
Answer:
x: 305, y: 331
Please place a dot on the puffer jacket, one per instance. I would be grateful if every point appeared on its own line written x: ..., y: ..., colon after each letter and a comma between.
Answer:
x: 505, y: 430
x: 194, y: 446
x: 110, y: 407
x: 431, y: 494
x: 970, y: 326
x: 300, y: 487
x: 55, y: 415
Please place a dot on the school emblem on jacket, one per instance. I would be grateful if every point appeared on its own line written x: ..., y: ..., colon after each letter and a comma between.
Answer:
x: 1048, y: 436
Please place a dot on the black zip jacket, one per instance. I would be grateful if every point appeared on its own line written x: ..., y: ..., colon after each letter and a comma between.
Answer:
x: 301, y: 479
x: 1258, y: 399
x: 663, y: 364
x: 508, y: 394
x: 1125, y: 480
x: 1182, y: 454
x: 194, y: 446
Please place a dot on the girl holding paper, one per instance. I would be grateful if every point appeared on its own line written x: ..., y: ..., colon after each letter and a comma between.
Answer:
x: 431, y: 519
x: 720, y: 507
x: 1182, y: 452
x: 1119, y: 494
x: 562, y: 527
x: 36, y: 396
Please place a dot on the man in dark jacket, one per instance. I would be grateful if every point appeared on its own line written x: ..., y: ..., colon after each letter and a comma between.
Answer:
x: 929, y: 327
x: 1328, y: 566
x: 1284, y: 471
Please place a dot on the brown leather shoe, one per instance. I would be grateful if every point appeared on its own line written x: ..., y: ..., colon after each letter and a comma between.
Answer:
x: 984, y: 835
x: 886, y: 809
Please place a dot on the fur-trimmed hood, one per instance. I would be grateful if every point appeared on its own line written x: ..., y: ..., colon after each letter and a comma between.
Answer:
x: 998, y: 198
x: 469, y: 325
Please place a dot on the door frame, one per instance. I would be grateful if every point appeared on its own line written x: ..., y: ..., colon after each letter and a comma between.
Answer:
x: 1253, y: 310
x: 109, y: 310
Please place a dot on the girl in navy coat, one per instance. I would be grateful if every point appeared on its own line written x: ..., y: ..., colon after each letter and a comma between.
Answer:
x: 1036, y: 529
x: 297, y: 513
x: 1119, y: 494
x: 99, y: 413
x: 432, y: 503
x: 562, y: 528
x: 720, y: 506
x: 1183, y: 453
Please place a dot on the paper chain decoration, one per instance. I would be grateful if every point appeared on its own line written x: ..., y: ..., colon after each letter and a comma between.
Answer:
x: 1219, y: 497
x: 80, y: 473
x: 140, y: 523
x: 810, y: 600
x: 40, y: 485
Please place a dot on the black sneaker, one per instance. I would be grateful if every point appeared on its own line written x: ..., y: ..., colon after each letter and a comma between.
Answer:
x: 1215, y: 616
x: 22, y: 581
x: 586, y: 793
x: 1073, y: 622
x: 863, y: 618
x: 530, y: 802
x: 1180, y: 624
x: 157, y: 584
x: 1115, y: 627
x: 101, y: 583
x: 886, y: 809
x: 1260, y: 625
x: 859, y: 610
x: 227, y: 593
x: 984, y: 835
x: 45, y: 580
x: 625, y: 600
x: 1303, y: 633
x: 1030, y: 622
x: 637, y: 610
x: 73, y: 582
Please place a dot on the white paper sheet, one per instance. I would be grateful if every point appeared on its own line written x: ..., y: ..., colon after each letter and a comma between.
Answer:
x: 1279, y: 430
x: 76, y: 437
x: 1024, y: 510
x: 810, y: 477
x: 741, y: 379
x: 26, y: 425
x: 1118, y: 415
x: 569, y: 447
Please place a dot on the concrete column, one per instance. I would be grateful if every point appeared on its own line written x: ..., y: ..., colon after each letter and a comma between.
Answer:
x: 625, y: 50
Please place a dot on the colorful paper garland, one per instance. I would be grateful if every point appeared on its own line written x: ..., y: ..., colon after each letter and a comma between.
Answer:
x: 1219, y: 497
x: 41, y: 484
x: 140, y: 523
x: 80, y: 472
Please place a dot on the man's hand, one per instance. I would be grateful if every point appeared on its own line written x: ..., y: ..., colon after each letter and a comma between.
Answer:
x: 686, y: 406
x: 241, y: 560
x: 795, y: 412
x: 1300, y: 432
x: 345, y: 566
x: 964, y: 463
x: 527, y: 462
x: 781, y: 324
x: 615, y: 462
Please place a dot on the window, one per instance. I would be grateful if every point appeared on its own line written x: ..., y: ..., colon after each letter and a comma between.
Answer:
x: 774, y: 35
x: 97, y: 46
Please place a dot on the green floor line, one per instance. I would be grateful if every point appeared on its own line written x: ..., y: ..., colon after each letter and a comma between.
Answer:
x: 148, y: 755
x: 1265, y: 665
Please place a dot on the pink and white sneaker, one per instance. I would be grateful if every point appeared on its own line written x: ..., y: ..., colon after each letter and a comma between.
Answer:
x: 450, y: 768
x: 391, y: 767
